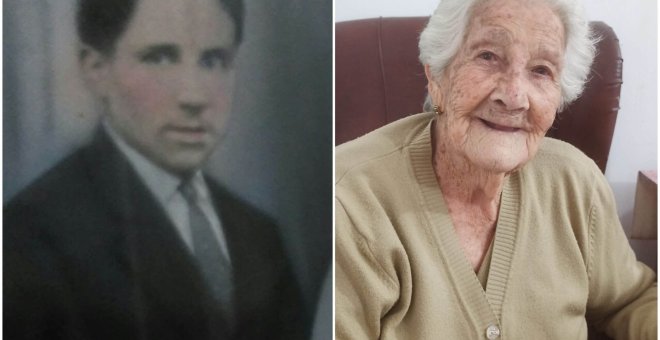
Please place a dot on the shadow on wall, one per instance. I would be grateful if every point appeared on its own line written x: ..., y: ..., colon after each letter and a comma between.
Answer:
x: 623, y: 189
x: 278, y: 151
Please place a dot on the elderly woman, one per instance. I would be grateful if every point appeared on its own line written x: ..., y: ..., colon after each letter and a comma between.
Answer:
x: 466, y: 223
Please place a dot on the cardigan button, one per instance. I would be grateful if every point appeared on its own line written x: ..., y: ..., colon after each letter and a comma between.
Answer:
x: 492, y: 332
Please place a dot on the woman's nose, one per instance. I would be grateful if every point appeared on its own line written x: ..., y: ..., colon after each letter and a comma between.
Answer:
x: 511, y: 93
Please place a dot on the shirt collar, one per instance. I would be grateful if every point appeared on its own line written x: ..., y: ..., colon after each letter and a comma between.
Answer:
x: 161, y: 183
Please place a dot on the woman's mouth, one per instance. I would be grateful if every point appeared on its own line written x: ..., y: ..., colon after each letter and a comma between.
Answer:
x: 498, y: 127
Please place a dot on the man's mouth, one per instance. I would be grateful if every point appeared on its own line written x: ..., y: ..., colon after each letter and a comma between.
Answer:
x: 188, y: 134
x: 187, y: 129
x: 499, y: 127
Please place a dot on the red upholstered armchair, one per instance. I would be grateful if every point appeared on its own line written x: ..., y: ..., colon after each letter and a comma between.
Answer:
x: 379, y: 79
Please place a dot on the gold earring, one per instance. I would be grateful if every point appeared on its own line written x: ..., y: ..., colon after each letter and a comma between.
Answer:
x: 437, y: 111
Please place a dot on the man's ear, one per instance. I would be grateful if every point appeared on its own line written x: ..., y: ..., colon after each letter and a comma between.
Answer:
x: 433, y: 88
x: 95, y: 68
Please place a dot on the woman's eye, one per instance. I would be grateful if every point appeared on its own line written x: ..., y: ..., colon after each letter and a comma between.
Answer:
x: 486, y: 55
x: 542, y: 70
x: 160, y: 57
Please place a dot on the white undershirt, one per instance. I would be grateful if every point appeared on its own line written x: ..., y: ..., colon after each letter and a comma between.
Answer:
x: 164, y: 187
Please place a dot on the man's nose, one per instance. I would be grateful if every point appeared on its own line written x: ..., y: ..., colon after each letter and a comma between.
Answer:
x: 192, y: 95
x: 511, y: 93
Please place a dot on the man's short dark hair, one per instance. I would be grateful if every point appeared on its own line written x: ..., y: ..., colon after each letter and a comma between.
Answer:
x: 100, y: 23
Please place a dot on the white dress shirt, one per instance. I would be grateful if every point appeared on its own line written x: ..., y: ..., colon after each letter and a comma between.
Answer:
x: 164, y: 187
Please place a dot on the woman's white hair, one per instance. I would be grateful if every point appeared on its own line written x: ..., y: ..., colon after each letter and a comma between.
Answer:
x: 447, y: 28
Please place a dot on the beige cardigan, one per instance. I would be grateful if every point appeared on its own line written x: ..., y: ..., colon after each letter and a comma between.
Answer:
x: 559, y: 252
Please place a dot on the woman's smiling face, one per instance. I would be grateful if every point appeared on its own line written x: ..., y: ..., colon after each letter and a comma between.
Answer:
x: 501, y: 91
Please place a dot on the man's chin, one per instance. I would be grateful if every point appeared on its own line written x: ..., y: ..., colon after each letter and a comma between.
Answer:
x: 185, y: 164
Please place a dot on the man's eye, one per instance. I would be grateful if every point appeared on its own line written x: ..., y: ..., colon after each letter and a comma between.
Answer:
x: 213, y: 59
x: 159, y: 58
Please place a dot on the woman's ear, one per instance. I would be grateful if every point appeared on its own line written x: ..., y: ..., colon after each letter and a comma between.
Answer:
x: 95, y: 68
x: 433, y: 88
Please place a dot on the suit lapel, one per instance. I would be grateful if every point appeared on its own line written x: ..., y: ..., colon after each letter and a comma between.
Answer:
x: 232, y: 221
x: 171, y: 292
x: 257, y: 261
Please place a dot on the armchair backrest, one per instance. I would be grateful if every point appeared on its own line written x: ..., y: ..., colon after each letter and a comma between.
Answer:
x: 379, y: 79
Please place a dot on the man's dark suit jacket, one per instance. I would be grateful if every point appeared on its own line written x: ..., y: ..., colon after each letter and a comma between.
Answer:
x: 90, y: 254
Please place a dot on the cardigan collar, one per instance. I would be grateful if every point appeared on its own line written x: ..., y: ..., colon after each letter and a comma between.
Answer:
x: 488, y: 303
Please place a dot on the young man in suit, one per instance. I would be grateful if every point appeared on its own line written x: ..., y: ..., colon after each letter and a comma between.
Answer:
x: 126, y: 238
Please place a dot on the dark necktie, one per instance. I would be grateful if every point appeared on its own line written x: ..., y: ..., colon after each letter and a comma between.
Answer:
x: 214, y: 265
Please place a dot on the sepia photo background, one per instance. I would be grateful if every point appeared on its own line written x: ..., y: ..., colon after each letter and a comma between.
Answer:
x: 278, y: 150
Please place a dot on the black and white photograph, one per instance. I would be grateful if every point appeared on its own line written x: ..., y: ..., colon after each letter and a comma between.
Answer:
x: 167, y: 169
